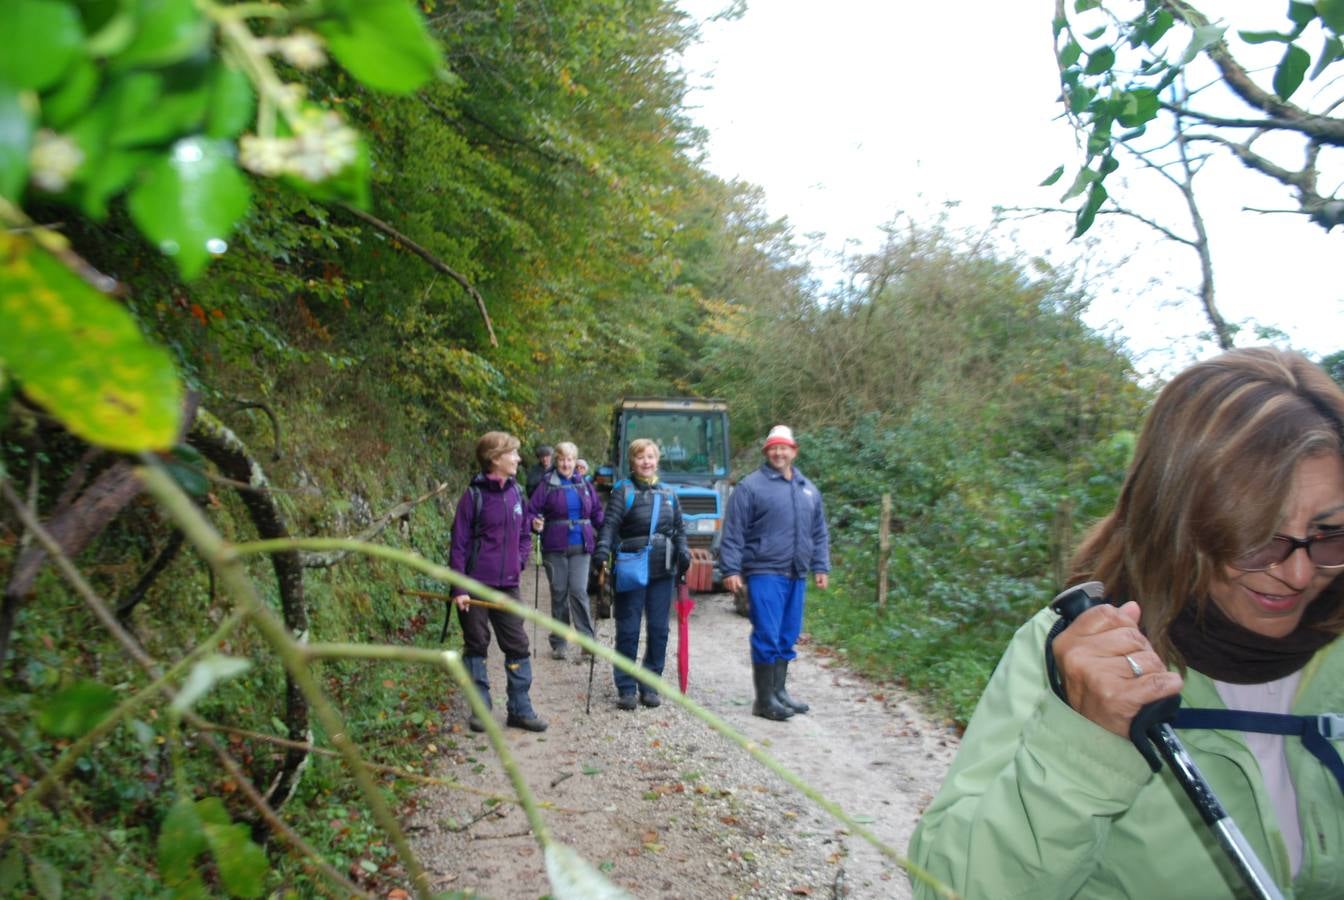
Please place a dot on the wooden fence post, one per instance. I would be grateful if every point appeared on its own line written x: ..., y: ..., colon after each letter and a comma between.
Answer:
x: 883, y: 549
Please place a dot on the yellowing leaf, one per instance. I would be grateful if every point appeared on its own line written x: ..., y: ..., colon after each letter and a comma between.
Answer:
x: 81, y: 355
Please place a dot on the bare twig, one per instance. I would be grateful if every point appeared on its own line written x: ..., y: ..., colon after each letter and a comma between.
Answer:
x: 327, y: 560
x: 430, y: 258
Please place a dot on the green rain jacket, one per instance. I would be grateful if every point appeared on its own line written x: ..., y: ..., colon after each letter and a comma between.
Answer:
x: 1042, y: 803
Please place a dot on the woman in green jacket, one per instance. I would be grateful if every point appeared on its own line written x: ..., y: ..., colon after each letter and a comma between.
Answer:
x: 1222, y: 556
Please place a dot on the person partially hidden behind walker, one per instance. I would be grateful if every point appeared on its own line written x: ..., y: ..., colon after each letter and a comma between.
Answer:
x: 1222, y: 560
x: 774, y: 535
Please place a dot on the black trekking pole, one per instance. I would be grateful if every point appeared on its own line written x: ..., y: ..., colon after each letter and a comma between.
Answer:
x: 1152, y: 728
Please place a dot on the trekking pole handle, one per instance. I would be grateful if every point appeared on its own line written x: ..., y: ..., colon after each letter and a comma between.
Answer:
x: 1153, y: 735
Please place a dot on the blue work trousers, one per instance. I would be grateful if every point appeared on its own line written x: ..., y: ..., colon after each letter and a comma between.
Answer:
x: 652, y: 603
x: 776, y: 616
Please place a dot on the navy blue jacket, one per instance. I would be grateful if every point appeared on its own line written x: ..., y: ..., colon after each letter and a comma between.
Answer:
x: 775, y: 527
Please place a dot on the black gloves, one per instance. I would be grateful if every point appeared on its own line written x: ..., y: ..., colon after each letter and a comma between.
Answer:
x: 683, y: 563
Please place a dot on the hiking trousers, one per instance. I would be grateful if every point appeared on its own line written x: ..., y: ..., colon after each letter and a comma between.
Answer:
x: 568, y: 575
x: 652, y: 604
x: 476, y: 622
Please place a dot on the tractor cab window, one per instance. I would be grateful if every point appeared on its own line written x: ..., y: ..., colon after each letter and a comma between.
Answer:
x: 687, y: 443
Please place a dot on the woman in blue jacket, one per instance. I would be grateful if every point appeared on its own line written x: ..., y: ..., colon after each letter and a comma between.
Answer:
x: 627, y: 528
x: 491, y: 542
x: 568, y: 510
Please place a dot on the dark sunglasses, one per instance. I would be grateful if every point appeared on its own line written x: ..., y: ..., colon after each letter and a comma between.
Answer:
x: 1325, y: 550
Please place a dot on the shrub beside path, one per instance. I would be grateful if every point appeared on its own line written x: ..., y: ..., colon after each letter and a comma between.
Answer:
x: 669, y: 809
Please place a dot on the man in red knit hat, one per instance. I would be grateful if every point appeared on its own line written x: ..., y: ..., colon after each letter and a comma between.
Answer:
x: 774, y: 535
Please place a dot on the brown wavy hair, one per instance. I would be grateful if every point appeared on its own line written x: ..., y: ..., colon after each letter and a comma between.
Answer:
x: 492, y: 445
x: 1210, y: 479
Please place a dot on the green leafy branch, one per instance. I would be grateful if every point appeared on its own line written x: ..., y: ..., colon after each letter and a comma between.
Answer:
x: 85, y: 712
x: 1115, y: 71
x: 152, y: 100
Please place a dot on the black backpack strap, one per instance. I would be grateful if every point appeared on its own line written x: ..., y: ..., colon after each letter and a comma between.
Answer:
x: 475, y: 527
x: 1316, y: 732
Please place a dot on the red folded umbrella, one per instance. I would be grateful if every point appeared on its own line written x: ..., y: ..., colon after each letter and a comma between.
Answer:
x: 684, y: 607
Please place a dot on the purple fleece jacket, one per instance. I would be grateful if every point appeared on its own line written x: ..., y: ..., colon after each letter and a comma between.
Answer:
x: 550, y: 501
x: 505, y: 539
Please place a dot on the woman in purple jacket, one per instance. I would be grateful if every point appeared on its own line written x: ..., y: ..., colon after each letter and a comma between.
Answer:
x: 491, y: 543
x: 567, y: 509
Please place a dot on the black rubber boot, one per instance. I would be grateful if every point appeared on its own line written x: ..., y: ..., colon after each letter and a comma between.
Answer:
x: 766, y: 706
x: 782, y: 676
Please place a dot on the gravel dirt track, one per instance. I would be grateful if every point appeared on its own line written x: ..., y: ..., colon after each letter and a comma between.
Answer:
x: 669, y: 809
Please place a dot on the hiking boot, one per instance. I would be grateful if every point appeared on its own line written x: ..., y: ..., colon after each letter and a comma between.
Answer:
x: 475, y: 724
x: 519, y: 674
x: 625, y: 701
x: 651, y: 699
x: 559, y: 653
x: 528, y: 723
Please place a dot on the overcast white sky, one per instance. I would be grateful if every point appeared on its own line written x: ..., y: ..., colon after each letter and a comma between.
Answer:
x: 852, y: 111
